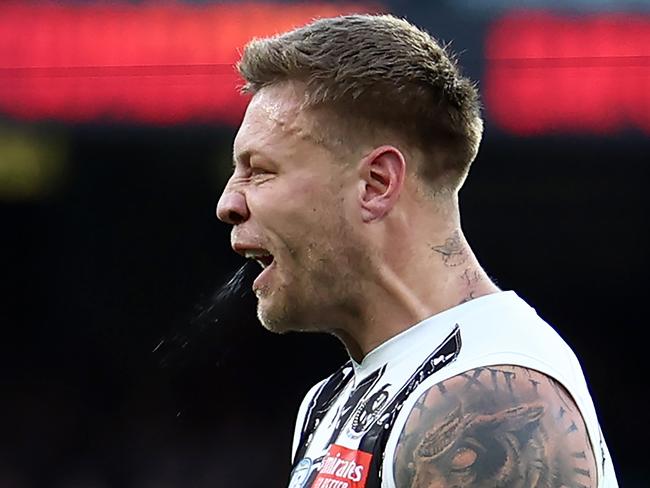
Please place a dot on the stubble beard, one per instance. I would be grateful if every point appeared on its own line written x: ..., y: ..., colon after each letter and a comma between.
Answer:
x: 293, y: 306
x: 319, y: 288
x: 312, y: 299
x: 272, y: 315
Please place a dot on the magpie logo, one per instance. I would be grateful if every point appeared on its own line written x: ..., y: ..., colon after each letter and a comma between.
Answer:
x: 368, y: 411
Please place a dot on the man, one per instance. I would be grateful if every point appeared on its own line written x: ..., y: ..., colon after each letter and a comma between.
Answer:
x: 347, y: 167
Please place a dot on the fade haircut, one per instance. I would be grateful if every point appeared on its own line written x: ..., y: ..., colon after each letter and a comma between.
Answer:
x: 378, y: 73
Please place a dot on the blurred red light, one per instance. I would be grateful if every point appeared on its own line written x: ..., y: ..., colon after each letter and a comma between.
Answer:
x: 547, y: 73
x: 152, y: 62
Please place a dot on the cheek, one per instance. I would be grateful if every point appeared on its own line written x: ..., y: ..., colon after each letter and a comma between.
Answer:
x: 303, y: 217
x: 285, y: 197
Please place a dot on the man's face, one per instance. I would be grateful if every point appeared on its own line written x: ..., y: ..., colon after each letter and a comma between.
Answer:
x: 291, y: 204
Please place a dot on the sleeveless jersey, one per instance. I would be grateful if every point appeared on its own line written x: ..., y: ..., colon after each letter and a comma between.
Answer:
x: 348, y: 424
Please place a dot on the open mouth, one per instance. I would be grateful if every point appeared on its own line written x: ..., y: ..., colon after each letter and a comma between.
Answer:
x: 264, y: 258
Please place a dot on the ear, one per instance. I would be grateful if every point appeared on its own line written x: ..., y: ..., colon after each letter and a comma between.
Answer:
x: 382, y: 174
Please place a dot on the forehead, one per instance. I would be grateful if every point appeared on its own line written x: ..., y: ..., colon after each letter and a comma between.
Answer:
x: 273, y: 117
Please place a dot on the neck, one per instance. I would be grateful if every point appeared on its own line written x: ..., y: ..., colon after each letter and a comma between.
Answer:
x: 426, y: 278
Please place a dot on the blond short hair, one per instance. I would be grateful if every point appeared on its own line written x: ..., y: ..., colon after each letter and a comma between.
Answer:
x: 378, y: 72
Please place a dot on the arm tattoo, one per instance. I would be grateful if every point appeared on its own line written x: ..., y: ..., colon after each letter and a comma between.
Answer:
x: 502, y: 426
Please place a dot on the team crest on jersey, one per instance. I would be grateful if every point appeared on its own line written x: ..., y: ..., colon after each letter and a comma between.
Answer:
x: 342, y: 468
x: 300, y: 473
x: 368, y: 412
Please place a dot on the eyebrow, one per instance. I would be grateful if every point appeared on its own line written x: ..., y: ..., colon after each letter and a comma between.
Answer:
x: 238, y: 157
x: 248, y: 153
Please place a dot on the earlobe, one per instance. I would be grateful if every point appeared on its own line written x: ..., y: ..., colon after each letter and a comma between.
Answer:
x: 382, y: 178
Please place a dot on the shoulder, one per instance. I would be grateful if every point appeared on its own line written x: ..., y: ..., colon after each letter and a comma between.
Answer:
x: 505, y: 426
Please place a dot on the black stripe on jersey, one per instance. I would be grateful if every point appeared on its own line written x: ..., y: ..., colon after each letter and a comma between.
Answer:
x: 355, y: 399
x: 374, y: 441
x: 321, y: 403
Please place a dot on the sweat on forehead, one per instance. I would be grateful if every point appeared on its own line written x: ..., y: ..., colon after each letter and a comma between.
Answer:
x: 280, y: 106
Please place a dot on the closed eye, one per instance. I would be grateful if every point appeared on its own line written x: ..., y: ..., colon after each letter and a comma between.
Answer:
x: 260, y: 171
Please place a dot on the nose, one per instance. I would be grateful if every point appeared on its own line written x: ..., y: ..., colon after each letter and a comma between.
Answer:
x: 232, y: 208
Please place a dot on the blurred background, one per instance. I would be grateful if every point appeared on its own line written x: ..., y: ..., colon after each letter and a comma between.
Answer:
x: 126, y: 362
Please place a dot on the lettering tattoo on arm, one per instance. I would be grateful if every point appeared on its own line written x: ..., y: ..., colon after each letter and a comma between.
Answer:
x: 501, y: 426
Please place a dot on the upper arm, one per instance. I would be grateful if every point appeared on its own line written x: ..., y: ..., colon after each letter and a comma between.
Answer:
x: 504, y: 426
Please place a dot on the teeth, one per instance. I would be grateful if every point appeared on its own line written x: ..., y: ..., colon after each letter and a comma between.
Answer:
x: 251, y: 254
x: 258, y: 256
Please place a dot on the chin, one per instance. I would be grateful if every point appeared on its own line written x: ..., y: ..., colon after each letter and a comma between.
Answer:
x: 271, y: 325
x: 270, y: 319
x: 280, y: 319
